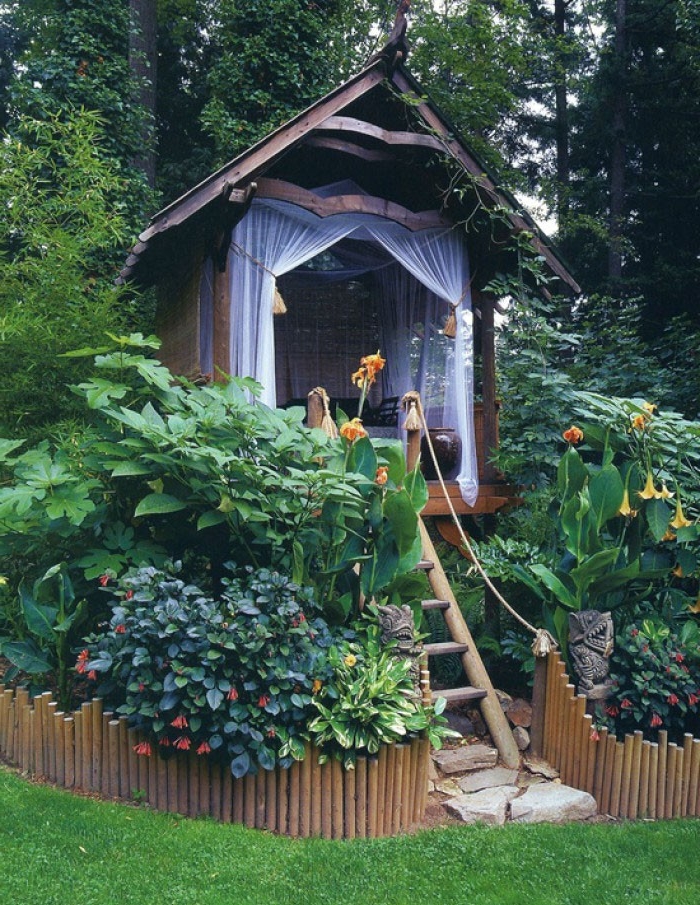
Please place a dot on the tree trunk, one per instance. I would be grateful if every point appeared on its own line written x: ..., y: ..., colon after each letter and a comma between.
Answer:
x: 143, y: 60
x: 618, y: 157
x: 561, y: 110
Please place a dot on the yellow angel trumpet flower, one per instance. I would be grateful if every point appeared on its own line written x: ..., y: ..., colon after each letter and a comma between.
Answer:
x: 664, y: 493
x: 649, y: 492
x: 680, y: 521
x: 625, y: 508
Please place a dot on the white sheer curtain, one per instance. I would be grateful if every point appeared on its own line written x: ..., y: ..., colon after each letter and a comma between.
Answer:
x: 438, y: 258
x: 276, y: 237
x: 272, y: 239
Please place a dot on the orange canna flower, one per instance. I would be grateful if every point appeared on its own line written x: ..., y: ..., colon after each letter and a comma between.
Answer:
x: 317, y: 686
x: 649, y: 407
x: 382, y: 475
x: 639, y: 422
x: 573, y: 435
x: 353, y: 430
x: 370, y: 365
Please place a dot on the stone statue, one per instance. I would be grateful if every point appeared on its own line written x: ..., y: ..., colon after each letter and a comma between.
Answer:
x: 397, y: 625
x: 590, y: 646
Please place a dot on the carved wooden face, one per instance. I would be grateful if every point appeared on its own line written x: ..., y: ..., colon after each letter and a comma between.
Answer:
x: 592, y: 629
x: 397, y: 625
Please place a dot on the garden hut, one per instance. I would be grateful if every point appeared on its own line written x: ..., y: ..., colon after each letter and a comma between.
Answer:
x: 364, y: 223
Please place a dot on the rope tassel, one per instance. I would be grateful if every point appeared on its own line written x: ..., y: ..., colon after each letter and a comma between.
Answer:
x: 450, y: 328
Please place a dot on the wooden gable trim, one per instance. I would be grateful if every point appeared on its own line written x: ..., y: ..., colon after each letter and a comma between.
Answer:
x: 472, y: 166
x: 360, y: 127
x: 280, y: 190
x: 264, y: 152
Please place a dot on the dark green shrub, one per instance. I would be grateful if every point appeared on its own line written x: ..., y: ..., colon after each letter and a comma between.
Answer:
x: 656, y: 685
x: 234, y: 676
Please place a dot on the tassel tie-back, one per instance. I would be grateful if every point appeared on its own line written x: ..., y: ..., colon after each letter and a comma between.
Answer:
x: 412, y: 407
x: 450, y: 328
x: 327, y: 423
x: 278, y: 305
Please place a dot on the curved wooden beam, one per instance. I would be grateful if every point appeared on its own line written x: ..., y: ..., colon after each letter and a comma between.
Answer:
x: 360, y: 127
x: 343, y: 204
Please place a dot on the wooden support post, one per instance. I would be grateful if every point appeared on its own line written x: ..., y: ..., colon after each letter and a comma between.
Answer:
x: 222, y: 324
x: 539, y: 697
x: 314, y: 409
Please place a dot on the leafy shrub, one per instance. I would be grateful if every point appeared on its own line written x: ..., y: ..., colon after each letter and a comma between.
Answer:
x: 371, y: 699
x: 655, y: 683
x: 234, y: 676
x: 205, y: 474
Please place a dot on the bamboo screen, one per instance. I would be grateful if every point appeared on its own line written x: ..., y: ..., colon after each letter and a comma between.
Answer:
x: 91, y: 750
x: 631, y: 778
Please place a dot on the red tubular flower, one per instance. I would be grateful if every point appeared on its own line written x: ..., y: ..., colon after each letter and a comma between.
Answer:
x: 656, y: 721
x: 672, y: 699
x: 263, y: 700
x: 165, y: 741
x: 204, y: 748
x: 142, y: 687
x: 595, y: 735
x: 693, y: 699
x: 143, y: 748
x: 625, y: 703
x: 612, y: 710
x: 232, y: 694
x: 180, y: 722
x: 120, y: 629
x: 183, y: 743
x: 92, y: 675
x: 83, y: 657
x: 271, y: 732
x: 129, y: 595
x: 104, y: 580
x: 679, y: 657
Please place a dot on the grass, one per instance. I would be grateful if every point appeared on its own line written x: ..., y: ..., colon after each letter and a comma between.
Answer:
x: 60, y: 849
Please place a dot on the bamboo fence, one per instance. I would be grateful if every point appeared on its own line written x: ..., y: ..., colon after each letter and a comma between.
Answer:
x: 92, y: 750
x: 633, y: 778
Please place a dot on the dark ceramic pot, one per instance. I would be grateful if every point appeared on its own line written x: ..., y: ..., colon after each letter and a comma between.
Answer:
x: 448, y: 448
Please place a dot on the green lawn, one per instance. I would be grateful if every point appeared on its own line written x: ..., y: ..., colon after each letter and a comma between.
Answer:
x: 63, y: 849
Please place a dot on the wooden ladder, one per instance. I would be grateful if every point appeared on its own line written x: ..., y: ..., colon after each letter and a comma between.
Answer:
x: 462, y: 643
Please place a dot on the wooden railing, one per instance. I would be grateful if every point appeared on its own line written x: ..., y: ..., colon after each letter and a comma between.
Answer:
x: 632, y: 778
x: 90, y: 750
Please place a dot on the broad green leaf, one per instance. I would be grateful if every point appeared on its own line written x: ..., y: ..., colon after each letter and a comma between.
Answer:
x: 571, y: 474
x: 40, y: 619
x: 658, y: 516
x: 556, y: 586
x: 210, y: 518
x: 594, y: 567
x: 606, y: 491
x: 159, y: 504
x: 27, y: 656
x: 402, y: 517
x: 363, y: 459
x: 128, y: 469
x: 417, y: 489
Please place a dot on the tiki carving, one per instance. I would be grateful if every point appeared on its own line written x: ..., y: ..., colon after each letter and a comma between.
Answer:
x: 397, y: 625
x: 590, y: 646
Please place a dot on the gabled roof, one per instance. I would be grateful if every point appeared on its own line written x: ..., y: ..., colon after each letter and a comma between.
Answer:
x: 364, y: 128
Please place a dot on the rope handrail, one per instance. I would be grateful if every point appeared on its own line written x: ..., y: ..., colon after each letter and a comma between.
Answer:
x: 543, y: 642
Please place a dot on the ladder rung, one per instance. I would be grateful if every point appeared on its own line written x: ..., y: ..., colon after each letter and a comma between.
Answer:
x: 435, y: 604
x: 467, y: 693
x: 445, y: 647
x: 425, y: 565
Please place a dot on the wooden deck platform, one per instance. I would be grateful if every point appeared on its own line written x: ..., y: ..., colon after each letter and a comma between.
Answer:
x: 492, y: 497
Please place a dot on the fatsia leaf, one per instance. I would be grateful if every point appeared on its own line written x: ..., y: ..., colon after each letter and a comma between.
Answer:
x: 158, y: 504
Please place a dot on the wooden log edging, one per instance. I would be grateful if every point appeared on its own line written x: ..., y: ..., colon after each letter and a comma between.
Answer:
x: 630, y: 778
x: 92, y: 751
